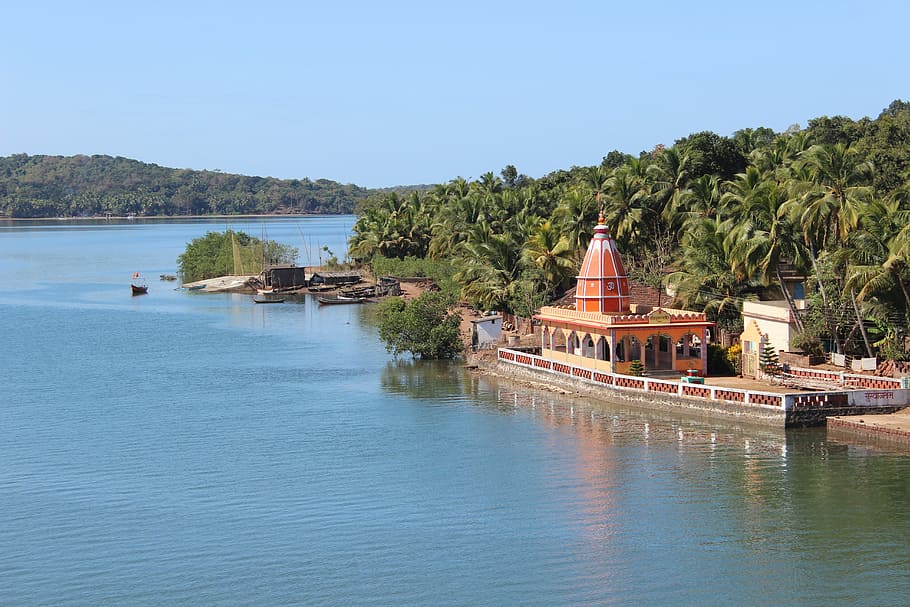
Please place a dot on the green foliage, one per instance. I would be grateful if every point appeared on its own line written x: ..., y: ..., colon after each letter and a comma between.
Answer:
x: 227, y: 253
x: 734, y: 357
x: 331, y: 260
x: 719, y: 361
x: 87, y: 186
x: 530, y: 293
x: 712, y: 154
x: 439, y: 270
x: 423, y: 326
x: 890, y: 339
x: 808, y: 342
x: 716, y: 218
x: 768, y: 360
x: 636, y: 368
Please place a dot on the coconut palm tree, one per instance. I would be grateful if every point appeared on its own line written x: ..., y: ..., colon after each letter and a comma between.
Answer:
x: 623, y: 200
x: 701, y: 199
x: 841, y: 183
x: 831, y: 185
x: 576, y: 216
x: 548, y: 250
x: 489, y: 265
x: 878, y: 258
x: 706, y: 280
x: 669, y: 175
x: 762, y: 238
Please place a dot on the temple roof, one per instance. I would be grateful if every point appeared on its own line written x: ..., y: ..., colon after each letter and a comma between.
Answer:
x: 603, y: 284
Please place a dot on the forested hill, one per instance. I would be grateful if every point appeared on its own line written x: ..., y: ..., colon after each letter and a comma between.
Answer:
x: 86, y: 186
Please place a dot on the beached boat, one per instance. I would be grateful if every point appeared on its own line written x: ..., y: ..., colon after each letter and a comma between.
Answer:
x: 321, y: 288
x: 138, y: 285
x: 340, y: 299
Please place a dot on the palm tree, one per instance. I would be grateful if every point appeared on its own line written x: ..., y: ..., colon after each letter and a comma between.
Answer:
x: 623, y: 202
x: 706, y: 280
x: 575, y: 216
x: 489, y: 266
x: 841, y: 184
x: 549, y: 251
x: 762, y: 238
x: 878, y: 258
x: 458, y: 208
x: 826, y: 200
x: 669, y: 174
x: 702, y: 199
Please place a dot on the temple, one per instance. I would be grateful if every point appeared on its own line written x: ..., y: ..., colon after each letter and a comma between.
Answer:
x: 608, y: 332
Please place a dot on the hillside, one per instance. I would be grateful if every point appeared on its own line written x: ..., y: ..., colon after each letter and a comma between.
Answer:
x: 85, y: 186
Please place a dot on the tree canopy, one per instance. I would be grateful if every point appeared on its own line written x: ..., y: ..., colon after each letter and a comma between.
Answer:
x: 231, y: 253
x: 720, y: 219
x: 423, y: 326
x: 86, y: 186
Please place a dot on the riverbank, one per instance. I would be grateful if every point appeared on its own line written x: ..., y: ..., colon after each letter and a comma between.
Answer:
x: 892, y: 428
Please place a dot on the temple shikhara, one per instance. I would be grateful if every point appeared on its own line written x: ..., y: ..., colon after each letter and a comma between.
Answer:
x: 606, y: 331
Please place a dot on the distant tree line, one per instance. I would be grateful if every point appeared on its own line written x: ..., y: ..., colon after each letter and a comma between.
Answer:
x: 89, y: 186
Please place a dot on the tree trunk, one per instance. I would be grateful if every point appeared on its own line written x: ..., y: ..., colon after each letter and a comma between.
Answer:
x: 904, y: 291
x: 821, y: 287
x: 859, y: 320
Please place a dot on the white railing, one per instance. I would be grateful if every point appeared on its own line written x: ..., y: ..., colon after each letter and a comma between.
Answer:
x: 859, y: 391
x: 644, y: 384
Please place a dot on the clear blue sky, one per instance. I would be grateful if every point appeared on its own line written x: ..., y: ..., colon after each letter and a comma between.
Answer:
x: 390, y: 92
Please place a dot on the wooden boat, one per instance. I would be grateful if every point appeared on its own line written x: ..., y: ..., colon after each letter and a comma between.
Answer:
x: 267, y: 300
x: 138, y: 286
x: 340, y: 299
x: 359, y: 292
x: 321, y: 288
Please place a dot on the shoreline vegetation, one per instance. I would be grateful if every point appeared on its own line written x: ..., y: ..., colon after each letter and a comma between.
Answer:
x: 97, y: 186
x: 820, y: 214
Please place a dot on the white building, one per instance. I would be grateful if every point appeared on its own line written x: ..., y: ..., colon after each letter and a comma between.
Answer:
x: 766, y: 322
x: 486, y: 331
x: 775, y: 321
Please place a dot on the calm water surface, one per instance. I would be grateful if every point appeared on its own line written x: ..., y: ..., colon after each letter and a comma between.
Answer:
x: 193, y: 449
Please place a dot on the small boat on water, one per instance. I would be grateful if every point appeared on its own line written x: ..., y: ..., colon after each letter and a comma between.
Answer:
x: 267, y: 300
x: 138, y: 285
x: 340, y: 299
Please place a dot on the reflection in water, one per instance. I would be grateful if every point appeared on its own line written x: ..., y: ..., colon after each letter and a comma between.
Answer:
x: 694, y: 497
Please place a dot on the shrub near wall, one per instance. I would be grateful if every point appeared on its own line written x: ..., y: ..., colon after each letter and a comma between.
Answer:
x: 718, y: 361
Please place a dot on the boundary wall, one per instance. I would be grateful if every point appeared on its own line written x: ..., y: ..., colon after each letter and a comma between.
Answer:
x: 862, y: 394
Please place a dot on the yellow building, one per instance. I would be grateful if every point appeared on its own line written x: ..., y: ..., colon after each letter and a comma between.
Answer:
x: 606, y: 331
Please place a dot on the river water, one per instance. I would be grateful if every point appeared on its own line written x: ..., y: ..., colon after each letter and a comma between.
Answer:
x: 196, y: 449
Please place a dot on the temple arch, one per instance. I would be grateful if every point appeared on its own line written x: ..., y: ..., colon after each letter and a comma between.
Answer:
x: 558, y: 340
x: 587, y: 346
x: 658, y: 353
x: 634, y: 348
